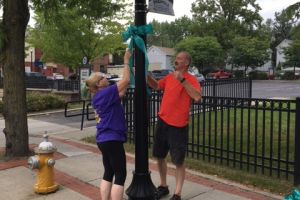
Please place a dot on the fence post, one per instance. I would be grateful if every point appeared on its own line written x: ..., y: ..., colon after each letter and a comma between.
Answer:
x: 297, y: 142
x: 250, y: 88
x: 214, y: 88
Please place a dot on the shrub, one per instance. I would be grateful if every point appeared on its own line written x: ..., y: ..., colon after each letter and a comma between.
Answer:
x: 289, y: 75
x: 256, y: 75
x: 38, y: 102
x: 239, y: 74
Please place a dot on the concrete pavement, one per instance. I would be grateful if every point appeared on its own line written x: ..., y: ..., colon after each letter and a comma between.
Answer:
x: 78, y: 171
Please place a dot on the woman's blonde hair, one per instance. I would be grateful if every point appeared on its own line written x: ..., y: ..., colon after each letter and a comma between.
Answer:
x: 93, y: 79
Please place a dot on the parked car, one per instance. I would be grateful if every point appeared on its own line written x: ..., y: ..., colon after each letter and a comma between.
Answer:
x: 159, y: 74
x: 34, y: 75
x: 56, y: 76
x: 194, y: 71
x: 220, y: 74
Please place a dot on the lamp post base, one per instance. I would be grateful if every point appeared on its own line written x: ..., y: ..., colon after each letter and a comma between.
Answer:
x: 141, y: 187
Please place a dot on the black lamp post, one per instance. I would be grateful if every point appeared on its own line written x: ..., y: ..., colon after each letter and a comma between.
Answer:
x: 141, y: 186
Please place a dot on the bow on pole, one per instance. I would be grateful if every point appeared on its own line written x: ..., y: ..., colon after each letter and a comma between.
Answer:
x: 132, y: 35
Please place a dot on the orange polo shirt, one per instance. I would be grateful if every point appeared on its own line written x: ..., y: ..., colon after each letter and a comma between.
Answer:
x: 176, y: 102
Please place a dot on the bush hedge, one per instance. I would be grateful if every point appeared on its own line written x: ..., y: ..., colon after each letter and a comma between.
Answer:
x: 256, y: 75
x: 289, y: 75
x: 239, y: 74
x: 39, y: 102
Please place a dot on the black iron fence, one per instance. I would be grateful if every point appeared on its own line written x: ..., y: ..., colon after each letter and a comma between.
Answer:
x: 59, y: 85
x: 43, y: 83
x: 255, y: 135
x: 261, y: 136
x: 240, y: 88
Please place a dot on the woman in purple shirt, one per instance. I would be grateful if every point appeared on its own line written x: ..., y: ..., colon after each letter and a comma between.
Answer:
x: 111, y: 129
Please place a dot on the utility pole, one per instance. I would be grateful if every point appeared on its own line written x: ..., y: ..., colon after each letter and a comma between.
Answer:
x: 141, y: 187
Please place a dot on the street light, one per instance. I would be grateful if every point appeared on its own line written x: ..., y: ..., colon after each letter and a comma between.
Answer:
x: 141, y: 187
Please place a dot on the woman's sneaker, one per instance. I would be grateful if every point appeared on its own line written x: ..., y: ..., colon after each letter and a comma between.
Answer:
x: 161, y: 191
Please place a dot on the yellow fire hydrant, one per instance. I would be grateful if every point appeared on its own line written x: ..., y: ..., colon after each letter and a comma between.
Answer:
x: 44, y: 163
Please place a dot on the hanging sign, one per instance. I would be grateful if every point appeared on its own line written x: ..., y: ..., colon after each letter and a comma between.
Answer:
x: 161, y: 7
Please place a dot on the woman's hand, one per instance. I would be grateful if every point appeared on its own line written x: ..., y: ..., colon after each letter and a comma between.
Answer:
x: 127, y: 56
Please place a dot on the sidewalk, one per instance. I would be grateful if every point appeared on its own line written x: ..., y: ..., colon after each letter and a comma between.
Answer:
x: 78, y: 171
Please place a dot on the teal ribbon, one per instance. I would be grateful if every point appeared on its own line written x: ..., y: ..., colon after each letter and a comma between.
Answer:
x: 133, y: 34
x: 295, y: 195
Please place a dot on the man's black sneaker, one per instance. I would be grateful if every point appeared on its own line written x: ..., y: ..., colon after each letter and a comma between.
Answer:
x: 161, y: 191
x: 175, y: 197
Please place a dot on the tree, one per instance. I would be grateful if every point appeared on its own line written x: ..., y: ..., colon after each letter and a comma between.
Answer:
x: 15, y: 19
x: 294, y: 10
x: 169, y: 34
x: 225, y: 19
x: 72, y: 37
x: 292, y: 54
x: 285, y: 26
x: 12, y: 54
x: 205, y: 51
x: 249, y: 52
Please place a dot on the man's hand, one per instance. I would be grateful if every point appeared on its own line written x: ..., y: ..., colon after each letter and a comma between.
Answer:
x: 178, y: 75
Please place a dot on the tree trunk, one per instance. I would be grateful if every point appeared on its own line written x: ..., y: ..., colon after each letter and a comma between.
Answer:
x: 15, y: 19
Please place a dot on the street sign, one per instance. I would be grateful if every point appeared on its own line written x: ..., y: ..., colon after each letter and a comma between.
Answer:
x: 161, y: 7
x: 84, y: 60
x: 83, y: 74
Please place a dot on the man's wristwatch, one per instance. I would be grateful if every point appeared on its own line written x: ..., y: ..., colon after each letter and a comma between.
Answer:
x: 182, y: 80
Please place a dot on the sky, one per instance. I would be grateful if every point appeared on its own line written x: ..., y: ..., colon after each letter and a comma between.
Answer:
x: 183, y: 7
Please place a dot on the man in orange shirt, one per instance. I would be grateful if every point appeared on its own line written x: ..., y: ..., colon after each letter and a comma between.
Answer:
x: 180, y: 88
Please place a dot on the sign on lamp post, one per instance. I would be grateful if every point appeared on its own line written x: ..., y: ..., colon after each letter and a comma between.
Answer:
x: 84, y: 73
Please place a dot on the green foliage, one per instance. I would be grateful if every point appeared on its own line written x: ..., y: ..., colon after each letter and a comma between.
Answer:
x: 292, y: 53
x: 289, y: 75
x: 249, y: 52
x: 205, y: 51
x: 95, y: 9
x: 294, y: 10
x: 169, y: 34
x: 283, y: 27
x: 296, y: 32
x: 226, y: 19
x: 256, y: 75
x: 68, y: 35
x: 38, y: 102
x: 238, y: 73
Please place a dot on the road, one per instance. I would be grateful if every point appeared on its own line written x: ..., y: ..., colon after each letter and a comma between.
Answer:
x: 275, y: 88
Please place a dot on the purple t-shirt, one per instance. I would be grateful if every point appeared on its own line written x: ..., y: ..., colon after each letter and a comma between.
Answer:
x: 110, y: 115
